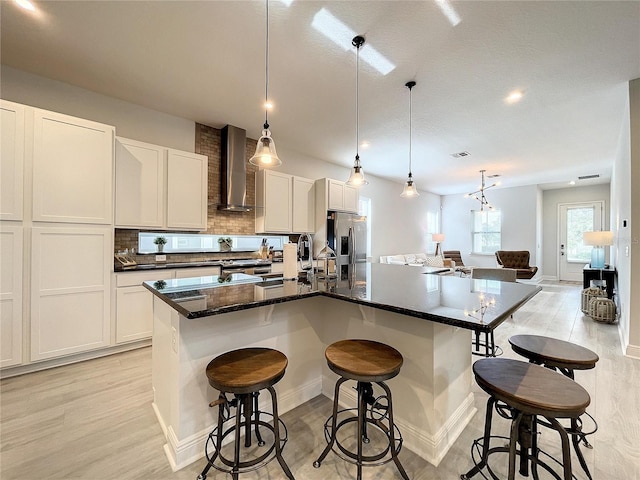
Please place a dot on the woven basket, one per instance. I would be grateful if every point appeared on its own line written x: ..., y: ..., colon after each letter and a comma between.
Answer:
x: 602, y: 310
x: 588, y: 294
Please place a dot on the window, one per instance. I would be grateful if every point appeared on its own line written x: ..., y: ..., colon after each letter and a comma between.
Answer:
x: 193, y: 243
x: 486, y: 231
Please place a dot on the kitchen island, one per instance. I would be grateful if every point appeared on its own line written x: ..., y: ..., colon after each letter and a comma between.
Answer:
x: 428, y: 318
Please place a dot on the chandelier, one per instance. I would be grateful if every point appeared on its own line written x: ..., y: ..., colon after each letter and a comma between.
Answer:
x: 479, y: 194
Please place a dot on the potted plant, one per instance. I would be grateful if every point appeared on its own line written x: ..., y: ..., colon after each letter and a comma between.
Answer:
x: 225, y: 243
x: 160, y: 241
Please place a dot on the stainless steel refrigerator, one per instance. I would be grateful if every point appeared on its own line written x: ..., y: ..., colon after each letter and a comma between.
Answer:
x: 347, y: 236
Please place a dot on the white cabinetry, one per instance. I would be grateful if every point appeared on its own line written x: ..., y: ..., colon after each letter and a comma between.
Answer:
x: 140, y: 173
x: 72, y: 169
x: 336, y: 196
x: 160, y: 188
x: 186, y: 190
x: 70, y: 289
x: 284, y: 203
x: 11, y: 160
x: 134, y: 304
x: 273, y: 202
x: 10, y: 294
x: 303, y: 205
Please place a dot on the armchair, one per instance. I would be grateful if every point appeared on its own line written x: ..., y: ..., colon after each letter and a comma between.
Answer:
x: 518, y: 260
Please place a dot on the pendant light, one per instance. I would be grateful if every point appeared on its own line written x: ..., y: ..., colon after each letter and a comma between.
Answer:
x: 356, y: 178
x: 410, y: 189
x: 266, y: 156
x: 481, y: 198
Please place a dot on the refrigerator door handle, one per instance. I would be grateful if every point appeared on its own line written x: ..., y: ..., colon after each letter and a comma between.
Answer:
x: 352, y: 256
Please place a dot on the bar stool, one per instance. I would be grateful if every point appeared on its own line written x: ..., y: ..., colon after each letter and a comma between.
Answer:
x: 529, y: 391
x: 565, y: 357
x: 367, y: 362
x: 244, y: 373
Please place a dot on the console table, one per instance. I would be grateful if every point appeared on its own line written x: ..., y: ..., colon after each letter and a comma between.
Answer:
x: 607, y: 274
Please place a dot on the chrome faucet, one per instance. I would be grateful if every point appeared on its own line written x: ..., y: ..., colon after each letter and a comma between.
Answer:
x: 305, y: 241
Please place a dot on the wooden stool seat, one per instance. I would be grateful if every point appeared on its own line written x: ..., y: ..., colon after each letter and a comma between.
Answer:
x: 552, y: 352
x: 363, y: 360
x: 246, y: 370
x: 530, y: 388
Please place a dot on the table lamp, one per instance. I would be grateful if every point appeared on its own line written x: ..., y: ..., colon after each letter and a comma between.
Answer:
x: 598, y: 240
x: 438, y: 238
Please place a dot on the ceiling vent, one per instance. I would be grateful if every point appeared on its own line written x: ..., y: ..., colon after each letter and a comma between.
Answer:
x: 460, y: 154
x: 588, y: 177
x: 495, y: 175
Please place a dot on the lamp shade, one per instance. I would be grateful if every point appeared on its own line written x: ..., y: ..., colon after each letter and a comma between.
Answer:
x: 598, y: 239
x: 437, y: 237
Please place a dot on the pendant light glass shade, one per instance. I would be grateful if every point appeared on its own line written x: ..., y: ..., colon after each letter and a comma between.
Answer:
x: 409, y: 190
x: 266, y: 156
x: 356, y: 179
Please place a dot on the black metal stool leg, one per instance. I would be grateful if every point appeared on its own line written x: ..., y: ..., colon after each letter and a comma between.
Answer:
x: 566, y: 452
x: 236, y: 441
x: 256, y: 423
x: 362, y: 410
x: 513, y: 438
x: 334, y: 419
x: 392, y: 441
x: 276, y: 434
x: 485, y: 442
x: 576, y: 439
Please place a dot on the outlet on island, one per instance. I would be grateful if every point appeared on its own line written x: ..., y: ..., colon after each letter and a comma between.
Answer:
x: 161, y: 258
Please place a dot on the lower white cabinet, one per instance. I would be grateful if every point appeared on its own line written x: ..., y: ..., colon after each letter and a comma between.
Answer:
x: 10, y: 294
x: 134, y: 304
x: 70, y: 289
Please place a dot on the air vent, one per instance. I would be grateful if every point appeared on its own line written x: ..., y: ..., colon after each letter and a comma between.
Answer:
x: 587, y: 177
x: 495, y: 175
x: 460, y: 154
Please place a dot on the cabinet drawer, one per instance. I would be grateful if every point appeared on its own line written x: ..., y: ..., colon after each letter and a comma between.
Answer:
x: 132, y: 279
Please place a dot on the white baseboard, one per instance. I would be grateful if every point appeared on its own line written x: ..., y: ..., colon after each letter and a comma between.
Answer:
x: 633, y: 351
x: 431, y: 447
x: 185, y: 451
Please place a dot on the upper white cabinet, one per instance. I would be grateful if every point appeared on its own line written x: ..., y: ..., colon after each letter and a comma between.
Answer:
x: 284, y: 203
x: 70, y: 289
x: 273, y: 202
x: 140, y: 173
x: 72, y: 169
x: 336, y: 196
x: 161, y: 188
x: 10, y: 294
x: 303, y: 205
x: 186, y: 190
x: 11, y: 160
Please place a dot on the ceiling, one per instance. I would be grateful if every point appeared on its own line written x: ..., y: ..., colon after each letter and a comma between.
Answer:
x: 205, y: 61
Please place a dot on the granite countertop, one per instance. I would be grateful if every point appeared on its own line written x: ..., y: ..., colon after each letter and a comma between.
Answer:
x: 163, y: 265
x: 463, y: 302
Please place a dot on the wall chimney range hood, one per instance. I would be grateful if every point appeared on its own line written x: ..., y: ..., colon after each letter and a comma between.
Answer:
x: 233, y: 170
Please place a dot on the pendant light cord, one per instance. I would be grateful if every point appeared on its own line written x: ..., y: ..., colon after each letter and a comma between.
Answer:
x: 266, y: 74
x: 410, y: 115
x: 357, y: 109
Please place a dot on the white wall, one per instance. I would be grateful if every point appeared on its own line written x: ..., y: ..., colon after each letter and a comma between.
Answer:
x: 131, y: 121
x: 551, y: 200
x: 520, y: 217
x: 625, y: 205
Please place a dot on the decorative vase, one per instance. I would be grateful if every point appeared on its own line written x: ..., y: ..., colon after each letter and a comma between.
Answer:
x: 160, y: 248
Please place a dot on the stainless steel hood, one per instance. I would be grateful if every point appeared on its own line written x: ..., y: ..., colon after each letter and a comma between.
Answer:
x: 233, y: 170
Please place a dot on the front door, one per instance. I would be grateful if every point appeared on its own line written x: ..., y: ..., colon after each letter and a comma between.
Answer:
x: 575, y: 219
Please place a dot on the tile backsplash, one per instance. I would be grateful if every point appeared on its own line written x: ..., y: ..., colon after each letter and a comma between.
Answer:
x: 207, y: 143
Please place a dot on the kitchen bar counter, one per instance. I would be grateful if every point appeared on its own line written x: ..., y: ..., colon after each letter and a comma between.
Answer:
x: 205, y: 263
x: 420, y: 314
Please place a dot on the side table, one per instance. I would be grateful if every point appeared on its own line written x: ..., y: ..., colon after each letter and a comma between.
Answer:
x: 608, y: 274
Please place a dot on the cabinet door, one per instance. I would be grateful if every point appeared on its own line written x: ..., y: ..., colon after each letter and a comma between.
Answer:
x: 70, y: 290
x: 186, y: 190
x: 303, y: 205
x: 72, y: 169
x: 273, y: 198
x: 10, y: 295
x: 11, y: 160
x: 351, y: 197
x: 139, y: 184
x: 134, y: 305
x: 336, y: 194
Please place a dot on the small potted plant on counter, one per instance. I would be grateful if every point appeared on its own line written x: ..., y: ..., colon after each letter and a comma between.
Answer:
x: 160, y: 241
x: 225, y: 243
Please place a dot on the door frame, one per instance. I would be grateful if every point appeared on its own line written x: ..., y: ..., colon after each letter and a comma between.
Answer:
x: 596, y: 203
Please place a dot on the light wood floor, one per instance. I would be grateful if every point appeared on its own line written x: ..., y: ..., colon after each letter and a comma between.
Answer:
x: 94, y: 420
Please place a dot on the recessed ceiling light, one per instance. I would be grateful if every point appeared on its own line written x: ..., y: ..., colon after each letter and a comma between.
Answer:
x: 572, y: 182
x: 26, y: 4
x: 365, y: 144
x: 342, y: 35
x: 268, y: 105
x: 514, y: 97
